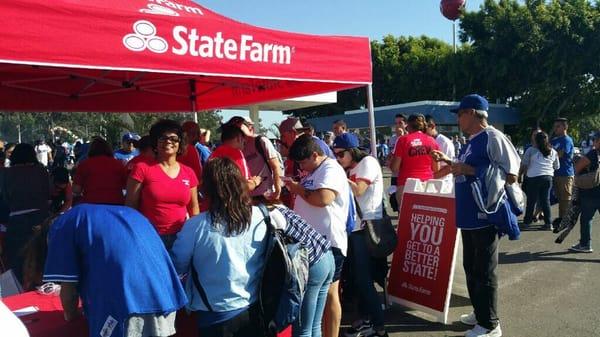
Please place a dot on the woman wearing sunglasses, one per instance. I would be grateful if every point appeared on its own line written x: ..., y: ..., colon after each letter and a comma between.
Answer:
x: 164, y: 190
x: 366, y: 181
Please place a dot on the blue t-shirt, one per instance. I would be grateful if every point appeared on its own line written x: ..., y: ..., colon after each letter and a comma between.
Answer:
x: 119, y: 262
x: 203, y: 151
x: 125, y: 156
x: 487, y: 147
x: 324, y: 147
x: 564, y: 144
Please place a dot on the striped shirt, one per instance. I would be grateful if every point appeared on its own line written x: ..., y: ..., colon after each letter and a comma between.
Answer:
x: 299, y: 230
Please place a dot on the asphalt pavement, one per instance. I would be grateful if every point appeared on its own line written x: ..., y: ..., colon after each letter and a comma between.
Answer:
x: 544, y: 290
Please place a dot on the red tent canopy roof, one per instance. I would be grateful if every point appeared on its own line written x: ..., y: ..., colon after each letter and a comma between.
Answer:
x: 160, y: 56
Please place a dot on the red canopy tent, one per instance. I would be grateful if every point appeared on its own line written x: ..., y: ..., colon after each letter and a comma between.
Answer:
x: 160, y: 56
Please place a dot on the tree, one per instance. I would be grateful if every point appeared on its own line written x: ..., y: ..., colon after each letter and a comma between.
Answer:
x: 541, y: 56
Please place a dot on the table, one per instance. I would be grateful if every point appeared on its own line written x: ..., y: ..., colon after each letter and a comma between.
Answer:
x: 49, y: 320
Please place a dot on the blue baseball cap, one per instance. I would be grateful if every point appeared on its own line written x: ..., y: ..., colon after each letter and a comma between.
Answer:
x: 130, y: 137
x: 472, y: 101
x: 346, y: 140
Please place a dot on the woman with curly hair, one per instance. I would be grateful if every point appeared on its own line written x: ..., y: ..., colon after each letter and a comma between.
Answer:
x: 164, y: 190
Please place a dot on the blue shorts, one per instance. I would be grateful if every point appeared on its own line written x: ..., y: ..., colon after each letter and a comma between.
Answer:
x: 338, y: 257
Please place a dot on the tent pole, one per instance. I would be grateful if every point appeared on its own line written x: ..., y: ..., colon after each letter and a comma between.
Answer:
x: 371, y: 109
x: 193, y: 99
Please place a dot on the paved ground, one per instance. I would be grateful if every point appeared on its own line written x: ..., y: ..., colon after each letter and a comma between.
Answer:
x: 544, y: 291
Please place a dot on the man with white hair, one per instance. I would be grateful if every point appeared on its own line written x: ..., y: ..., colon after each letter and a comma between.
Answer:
x: 487, y: 148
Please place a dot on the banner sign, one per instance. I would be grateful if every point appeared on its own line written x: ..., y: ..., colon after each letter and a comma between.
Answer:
x: 423, y: 263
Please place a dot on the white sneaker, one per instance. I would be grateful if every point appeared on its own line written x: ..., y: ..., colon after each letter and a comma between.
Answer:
x: 479, y: 331
x: 468, y: 319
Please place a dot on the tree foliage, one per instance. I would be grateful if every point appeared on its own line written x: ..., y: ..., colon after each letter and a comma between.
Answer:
x: 52, y: 126
x: 537, y: 55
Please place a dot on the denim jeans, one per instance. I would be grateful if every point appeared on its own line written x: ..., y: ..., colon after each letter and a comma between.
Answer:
x: 589, y: 207
x: 319, y: 279
x: 369, y: 301
x: 538, y: 192
x: 480, y: 259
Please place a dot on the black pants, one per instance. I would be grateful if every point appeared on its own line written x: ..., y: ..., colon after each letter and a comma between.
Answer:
x: 246, y: 324
x: 480, y: 259
x: 538, y: 192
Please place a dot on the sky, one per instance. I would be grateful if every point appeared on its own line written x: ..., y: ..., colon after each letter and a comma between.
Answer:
x: 374, y: 19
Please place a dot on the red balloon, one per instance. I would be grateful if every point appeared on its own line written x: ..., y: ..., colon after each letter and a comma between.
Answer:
x: 452, y: 9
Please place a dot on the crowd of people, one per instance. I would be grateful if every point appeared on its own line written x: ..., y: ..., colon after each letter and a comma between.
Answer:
x: 167, y: 222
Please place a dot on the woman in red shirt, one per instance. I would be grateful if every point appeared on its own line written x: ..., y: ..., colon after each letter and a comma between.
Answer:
x: 163, y: 189
x: 100, y: 178
x: 412, y: 154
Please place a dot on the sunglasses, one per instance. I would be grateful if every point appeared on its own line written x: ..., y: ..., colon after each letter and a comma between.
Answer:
x: 172, y: 139
x: 340, y: 154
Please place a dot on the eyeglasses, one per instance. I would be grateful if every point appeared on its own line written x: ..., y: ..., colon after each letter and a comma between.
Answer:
x: 172, y: 139
x: 340, y: 154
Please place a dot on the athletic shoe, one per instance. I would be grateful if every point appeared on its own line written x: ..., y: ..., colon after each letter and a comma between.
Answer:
x: 468, y: 319
x: 479, y: 331
x: 547, y: 227
x: 375, y: 334
x: 360, y: 329
x: 581, y: 249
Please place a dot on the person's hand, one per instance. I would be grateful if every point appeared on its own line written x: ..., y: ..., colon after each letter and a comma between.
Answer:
x: 462, y: 169
x: 257, y: 180
x: 293, y: 187
x: 440, y: 156
x: 273, y: 195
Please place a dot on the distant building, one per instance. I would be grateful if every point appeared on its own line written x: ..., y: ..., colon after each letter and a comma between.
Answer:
x: 500, y: 116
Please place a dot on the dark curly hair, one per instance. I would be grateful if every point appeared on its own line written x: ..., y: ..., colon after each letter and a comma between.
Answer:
x: 227, y: 192
x: 99, y: 147
x: 23, y: 154
x: 166, y: 125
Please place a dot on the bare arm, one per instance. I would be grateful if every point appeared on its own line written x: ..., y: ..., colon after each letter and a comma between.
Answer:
x: 134, y: 188
x: 194, y: 206
x: 359, y: 187
x: 76, y: 190
x: 395, y: 164
x: 69, y: 297
x: 318, y: 198
x: 277, y: 183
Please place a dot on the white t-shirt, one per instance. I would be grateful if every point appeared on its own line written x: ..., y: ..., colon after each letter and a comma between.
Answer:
x: 538, y: 165
x: 447, y: 147
x: 330, y: 220
x: 11, y: 325
x: 370, y: 202
x: 42, y: 152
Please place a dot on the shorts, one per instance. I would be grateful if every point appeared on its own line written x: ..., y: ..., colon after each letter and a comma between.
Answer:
x: 338, y: 257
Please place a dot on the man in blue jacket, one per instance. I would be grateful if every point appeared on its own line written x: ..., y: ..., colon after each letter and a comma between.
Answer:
x: 486, y: 147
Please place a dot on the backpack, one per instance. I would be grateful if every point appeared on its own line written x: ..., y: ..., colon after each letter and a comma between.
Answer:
x: 261, y: 150
x: 283, y: 281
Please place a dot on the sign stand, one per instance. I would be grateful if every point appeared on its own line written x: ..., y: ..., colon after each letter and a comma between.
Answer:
x: 423, y: 264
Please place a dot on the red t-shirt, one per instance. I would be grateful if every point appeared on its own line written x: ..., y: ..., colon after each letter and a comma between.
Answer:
x: 234, y: 154
x: 139, y: 159
x: 415, y: 151
x: 102, y: 180
x: 191, y: 159
x: 163, y: 200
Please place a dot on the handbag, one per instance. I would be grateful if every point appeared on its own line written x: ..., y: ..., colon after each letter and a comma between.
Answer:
x: 589, y: 180
x: 380, y: 235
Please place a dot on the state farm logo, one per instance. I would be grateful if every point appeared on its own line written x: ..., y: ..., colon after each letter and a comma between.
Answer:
x: 170, y: 8
x: 207, y: 45
x: 144, y: 37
